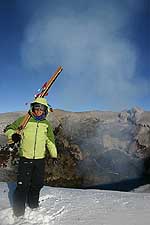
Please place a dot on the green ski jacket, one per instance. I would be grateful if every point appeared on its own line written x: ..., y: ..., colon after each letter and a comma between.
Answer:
x: 35, y: 137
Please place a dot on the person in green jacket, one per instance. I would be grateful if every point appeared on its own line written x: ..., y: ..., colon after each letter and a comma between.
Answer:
x: 34, y: 139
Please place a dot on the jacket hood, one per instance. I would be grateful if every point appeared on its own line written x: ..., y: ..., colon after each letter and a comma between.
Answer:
x: 41, y: 100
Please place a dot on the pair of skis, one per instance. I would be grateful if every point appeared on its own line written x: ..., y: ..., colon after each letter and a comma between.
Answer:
x: 43, y: 92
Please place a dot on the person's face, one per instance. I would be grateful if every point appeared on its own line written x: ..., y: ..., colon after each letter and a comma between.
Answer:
x: 38, y: 112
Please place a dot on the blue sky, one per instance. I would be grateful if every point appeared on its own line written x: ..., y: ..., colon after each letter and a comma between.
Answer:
x: 103, y: 47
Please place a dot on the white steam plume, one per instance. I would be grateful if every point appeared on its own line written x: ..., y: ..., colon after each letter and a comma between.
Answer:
x: 99, y: 63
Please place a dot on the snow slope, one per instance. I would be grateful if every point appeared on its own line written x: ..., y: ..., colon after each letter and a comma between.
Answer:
x: 60, y: 206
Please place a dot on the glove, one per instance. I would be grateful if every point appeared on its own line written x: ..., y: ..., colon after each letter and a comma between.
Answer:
x: 55, y: 161
x: 16, y: 137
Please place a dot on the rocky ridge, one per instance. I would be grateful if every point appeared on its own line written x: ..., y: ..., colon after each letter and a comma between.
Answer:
x: 95, y: 148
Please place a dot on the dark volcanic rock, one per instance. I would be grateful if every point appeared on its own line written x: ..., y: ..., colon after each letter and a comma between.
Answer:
x: 95, y: 148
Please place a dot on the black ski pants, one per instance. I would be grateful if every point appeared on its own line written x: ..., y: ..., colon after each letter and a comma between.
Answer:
x: 30, y: 180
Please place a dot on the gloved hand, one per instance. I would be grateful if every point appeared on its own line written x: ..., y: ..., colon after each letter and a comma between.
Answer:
x: 16, y: 137
x: 55, y: 161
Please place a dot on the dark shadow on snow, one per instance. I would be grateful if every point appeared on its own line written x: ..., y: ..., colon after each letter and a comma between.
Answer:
x: 11, y: 188
x: 124, y: 185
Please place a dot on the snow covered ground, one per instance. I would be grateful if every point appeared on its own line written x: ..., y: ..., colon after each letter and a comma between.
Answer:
x: 60, y: 206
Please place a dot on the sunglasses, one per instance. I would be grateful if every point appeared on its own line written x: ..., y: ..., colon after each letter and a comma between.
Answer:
x: 39, y: 107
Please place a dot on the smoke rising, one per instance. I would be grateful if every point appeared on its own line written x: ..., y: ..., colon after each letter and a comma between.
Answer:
x: 89, y: 41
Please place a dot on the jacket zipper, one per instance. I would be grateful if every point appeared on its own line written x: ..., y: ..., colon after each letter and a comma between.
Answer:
x: 35, y: 138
